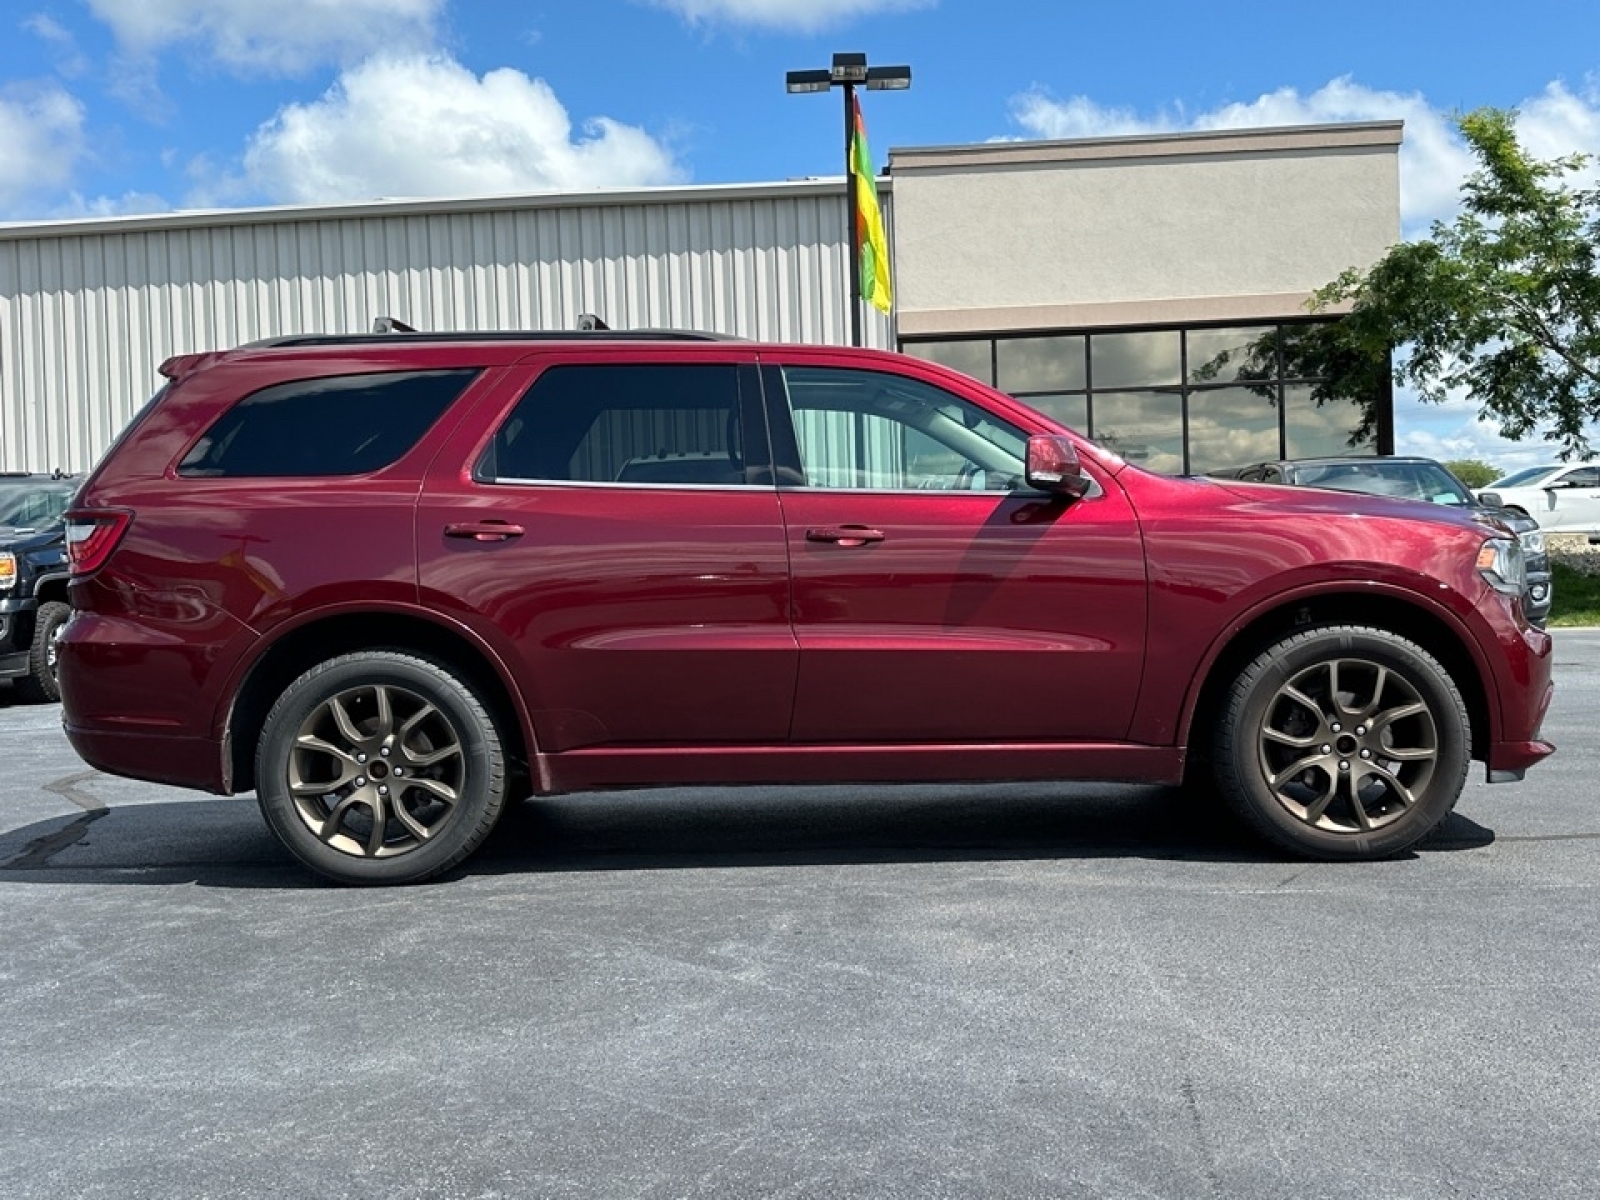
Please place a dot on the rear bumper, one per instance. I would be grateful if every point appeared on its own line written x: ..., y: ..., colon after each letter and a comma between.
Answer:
x: 158, y: 757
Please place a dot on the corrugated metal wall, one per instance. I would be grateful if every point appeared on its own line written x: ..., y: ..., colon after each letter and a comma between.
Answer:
x: 89, y: 310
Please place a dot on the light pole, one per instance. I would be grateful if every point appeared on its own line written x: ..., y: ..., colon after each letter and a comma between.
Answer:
x: 850, y: 71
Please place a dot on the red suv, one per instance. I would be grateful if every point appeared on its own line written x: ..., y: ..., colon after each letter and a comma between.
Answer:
x: 393, y: 582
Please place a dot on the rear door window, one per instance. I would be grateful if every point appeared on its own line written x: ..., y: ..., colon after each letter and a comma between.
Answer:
x: 337, y: 425
x: 661, y: 424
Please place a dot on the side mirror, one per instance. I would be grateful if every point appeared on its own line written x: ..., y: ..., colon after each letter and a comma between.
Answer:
x: 1053, y: 466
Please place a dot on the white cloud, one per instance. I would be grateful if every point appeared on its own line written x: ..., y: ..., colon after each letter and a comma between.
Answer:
x: 802, y: 16
x: 280, y: 36
x: 427, y: 126
x: 1452, y: 430
x: 70, y: 61
x: 41, y: 131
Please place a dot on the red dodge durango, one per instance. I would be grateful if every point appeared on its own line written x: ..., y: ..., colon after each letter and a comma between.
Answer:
x: 394, y: 582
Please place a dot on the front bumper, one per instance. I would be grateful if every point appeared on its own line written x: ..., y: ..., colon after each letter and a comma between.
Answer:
x: 16, y: 637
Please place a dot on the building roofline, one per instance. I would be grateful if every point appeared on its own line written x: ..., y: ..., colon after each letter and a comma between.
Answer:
x: 1271, y: 139
x: 360, y: 209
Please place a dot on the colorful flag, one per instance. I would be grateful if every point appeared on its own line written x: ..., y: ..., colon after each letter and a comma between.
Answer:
x: 870, y: 237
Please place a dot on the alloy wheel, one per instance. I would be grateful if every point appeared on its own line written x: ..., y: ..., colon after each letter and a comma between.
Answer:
x: 376, y: 771
x: 1348, y: 745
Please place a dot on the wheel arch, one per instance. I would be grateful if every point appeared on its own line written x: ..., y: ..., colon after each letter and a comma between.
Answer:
x: 299, y: 649
x: 51, y: 587
x: 1432, y: 632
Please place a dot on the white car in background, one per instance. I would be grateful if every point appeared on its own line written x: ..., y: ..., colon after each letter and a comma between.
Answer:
x: 1562, y: 497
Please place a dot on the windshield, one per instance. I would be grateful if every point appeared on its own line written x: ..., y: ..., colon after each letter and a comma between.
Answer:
x: 1405, y: 480
x: 1525, y: 476
x: 33, y: 506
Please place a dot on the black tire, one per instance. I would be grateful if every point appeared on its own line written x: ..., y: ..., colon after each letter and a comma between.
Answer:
x: 39, y: 685
x: 1343, y: 743
x: 380, y: 768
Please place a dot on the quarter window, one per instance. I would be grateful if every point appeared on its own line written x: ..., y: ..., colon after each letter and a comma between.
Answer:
x: 337, y: 425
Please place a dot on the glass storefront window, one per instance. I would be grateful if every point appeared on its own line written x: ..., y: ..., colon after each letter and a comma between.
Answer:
x: 1145, y: 387
x: 1314, y: 430
x: 1143, y: 427
x: 969, y: 356
x: 1232, y: 427
x: 1132, y: 360
x: 1042, y: 364
x: 1233, y: 355
x: 1071, y: 411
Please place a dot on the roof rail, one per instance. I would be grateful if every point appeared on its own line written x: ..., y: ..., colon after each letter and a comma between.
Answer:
x: 590, y: 328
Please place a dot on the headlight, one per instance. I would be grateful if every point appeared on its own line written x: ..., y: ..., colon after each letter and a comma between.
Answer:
x: 1532, y: 542
x: 8, y: 570
x: 1500, y: 563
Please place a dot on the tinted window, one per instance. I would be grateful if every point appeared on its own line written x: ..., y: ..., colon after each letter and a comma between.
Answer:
x: 33, y: 506
x: 339, y: 425
x: 867, y: 429
x: 674, y: 424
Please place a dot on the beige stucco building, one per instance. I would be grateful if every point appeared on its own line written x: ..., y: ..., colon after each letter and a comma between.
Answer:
x: 1117, y: 282
x: 1130, y: 285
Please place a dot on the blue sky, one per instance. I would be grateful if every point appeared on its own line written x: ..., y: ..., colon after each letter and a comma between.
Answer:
x: 113, y: 106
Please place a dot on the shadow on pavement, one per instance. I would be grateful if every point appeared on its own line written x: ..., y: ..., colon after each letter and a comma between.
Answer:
x: 224, y: 843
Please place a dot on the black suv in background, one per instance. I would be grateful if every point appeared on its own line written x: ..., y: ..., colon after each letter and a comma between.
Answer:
x: 1411, y: 479
x: 33, y: 579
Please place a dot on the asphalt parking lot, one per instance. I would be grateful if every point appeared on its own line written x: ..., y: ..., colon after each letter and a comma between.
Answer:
x: 918, y: 992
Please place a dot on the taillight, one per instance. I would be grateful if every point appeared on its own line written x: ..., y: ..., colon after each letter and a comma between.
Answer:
x: 92, y: 534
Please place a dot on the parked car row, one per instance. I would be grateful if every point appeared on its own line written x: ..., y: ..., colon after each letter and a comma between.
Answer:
x: 33, y: 580
x: 1414, y: 478
x: 394, y: 582
x: 1562, y: 498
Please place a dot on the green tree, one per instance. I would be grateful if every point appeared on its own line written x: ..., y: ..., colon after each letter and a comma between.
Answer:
x: 1502, y: 302
x: 1473, y: 472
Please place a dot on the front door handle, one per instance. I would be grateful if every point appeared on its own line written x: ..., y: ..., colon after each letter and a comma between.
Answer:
x: 484, y: 531
x: 845, y: 535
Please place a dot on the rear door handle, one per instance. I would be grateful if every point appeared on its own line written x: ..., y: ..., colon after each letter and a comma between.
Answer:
x: 484, y: 531
x: 845, y: 535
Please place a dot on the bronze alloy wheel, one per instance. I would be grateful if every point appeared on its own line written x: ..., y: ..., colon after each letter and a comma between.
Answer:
x: 380, y: 767
x: 376, y: 771
x: 1343, y: 742
x: 1347, y: 745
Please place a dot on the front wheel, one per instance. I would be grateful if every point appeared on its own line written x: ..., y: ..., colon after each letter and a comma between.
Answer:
x: 380, y: 768
x: 39, y: 685
x: 1343, y: 743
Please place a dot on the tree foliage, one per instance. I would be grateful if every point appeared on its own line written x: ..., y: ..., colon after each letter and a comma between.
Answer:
x: 1473, y: 472
x: 1502, y: 302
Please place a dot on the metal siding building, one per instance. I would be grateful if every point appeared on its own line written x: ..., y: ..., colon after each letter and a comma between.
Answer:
x: 90, y: 309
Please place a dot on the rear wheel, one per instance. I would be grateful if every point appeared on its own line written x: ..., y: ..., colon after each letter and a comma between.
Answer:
x: 39, y: 685
x: 1343, y: 743
x: 380, y: 768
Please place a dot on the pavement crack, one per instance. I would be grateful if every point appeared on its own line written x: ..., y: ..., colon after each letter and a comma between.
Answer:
x: 1191, y: 1104
x: 41, y: 850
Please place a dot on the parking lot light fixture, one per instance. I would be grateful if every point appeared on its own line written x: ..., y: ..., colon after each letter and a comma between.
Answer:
x: 850, y: 71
